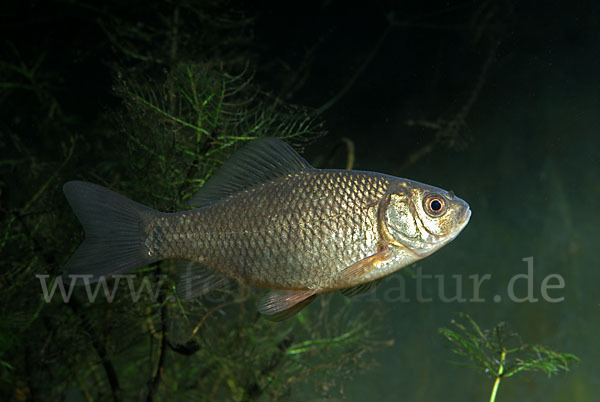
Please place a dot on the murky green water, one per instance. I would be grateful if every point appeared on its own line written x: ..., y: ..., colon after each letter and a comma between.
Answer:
x: 531, y: 178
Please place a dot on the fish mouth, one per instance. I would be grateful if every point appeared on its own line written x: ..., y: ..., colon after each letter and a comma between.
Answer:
x: 466, y: 216
x: 461, y: 223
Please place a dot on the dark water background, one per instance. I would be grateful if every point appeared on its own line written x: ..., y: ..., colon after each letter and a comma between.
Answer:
x: 526, y: 159
x: 529, y: 171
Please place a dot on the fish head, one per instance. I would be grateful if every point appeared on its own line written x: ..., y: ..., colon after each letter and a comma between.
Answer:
x: 424, y: 218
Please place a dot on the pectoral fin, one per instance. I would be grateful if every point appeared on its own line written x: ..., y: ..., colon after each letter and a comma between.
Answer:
x: 361, y: 271
x: 278, y: 305
x: 361, y: 289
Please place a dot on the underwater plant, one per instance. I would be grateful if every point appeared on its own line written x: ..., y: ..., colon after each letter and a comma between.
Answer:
x: 500, y: 353
x: 183, y: 98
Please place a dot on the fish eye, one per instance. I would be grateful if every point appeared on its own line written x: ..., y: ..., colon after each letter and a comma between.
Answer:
x: 434, y: 205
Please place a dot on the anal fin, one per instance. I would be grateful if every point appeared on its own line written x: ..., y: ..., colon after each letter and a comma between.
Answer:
x: 279, y: 305
x: 196, y: 280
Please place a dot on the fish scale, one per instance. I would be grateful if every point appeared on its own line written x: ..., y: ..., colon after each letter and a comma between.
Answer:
x: 296, y: 232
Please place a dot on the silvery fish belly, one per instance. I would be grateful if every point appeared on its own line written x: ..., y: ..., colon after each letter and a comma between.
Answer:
x: 267, y: 218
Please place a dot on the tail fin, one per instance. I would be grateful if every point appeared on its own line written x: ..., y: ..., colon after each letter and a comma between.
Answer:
x: 114, y: 235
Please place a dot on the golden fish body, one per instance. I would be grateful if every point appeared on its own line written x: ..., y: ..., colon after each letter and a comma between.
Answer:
x: 268, y: 218
x: 296, y: 232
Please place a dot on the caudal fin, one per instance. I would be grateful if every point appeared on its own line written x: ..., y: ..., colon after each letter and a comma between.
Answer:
x: 114, y: 236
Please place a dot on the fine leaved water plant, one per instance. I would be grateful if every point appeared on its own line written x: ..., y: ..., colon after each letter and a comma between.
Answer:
x: 499, y: 352
x: 184, y: 97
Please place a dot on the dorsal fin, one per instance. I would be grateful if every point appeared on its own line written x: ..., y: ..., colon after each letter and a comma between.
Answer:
x: 257, y: 162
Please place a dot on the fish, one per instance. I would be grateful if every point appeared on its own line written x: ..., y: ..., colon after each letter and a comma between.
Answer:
x: 267, y: 218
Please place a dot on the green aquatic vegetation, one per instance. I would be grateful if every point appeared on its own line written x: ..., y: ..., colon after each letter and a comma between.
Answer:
x: 199, y: 114
x: 500, y: 353
x: 184, y: 97
x: 252, y: 358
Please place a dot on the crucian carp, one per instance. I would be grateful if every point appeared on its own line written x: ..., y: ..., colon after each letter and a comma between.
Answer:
x: 267, y: 218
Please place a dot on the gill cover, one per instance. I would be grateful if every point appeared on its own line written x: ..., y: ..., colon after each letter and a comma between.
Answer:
x: 400, y: 223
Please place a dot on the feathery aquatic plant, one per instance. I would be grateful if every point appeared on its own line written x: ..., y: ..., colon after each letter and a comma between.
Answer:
x: 499, y: 352
x: 185, y: 98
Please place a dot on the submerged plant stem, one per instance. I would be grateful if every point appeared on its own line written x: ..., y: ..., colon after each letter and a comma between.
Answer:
x: 109, y: 368
x: 498, y: 376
